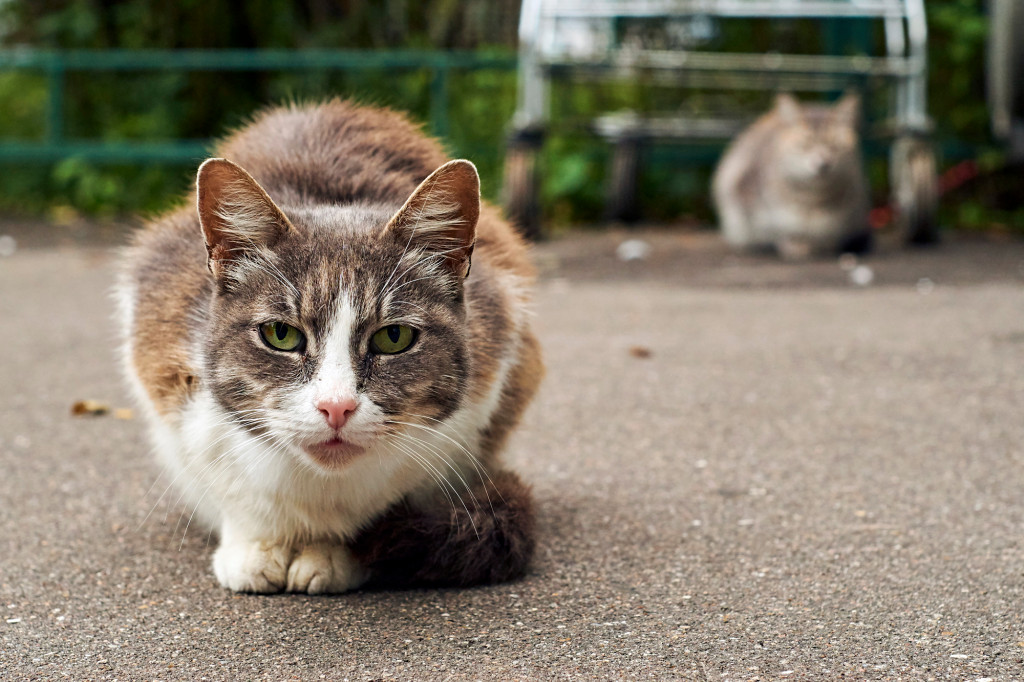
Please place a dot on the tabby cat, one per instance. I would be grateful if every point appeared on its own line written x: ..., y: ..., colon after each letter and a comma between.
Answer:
x: 330, y: 343
x: 794, y: 181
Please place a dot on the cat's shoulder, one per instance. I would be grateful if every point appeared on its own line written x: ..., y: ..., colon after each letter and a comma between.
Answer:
x: 166, y: 242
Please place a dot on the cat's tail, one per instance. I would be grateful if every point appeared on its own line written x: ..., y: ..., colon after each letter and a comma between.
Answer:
x: 490, y: 540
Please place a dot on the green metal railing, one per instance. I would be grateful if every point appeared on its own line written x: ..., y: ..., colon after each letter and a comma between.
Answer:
x: 56, y: 64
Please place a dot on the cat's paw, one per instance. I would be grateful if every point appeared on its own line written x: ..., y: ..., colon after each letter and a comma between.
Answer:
x: 323, y: 568
x: 252, y: 567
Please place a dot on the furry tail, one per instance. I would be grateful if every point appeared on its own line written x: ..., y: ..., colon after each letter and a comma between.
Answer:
x: 491, y: 543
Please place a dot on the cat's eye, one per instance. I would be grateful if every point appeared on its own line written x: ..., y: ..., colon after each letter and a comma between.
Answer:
x: 392, y: 339
x: 281, y: 336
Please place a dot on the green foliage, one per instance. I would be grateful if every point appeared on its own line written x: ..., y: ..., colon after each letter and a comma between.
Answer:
x: 24, y: 98
x: 958, y: 35
x: 152, y: 106
x: 958, y: 31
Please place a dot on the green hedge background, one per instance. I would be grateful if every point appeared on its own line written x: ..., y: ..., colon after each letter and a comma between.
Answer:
x: 167, y: 106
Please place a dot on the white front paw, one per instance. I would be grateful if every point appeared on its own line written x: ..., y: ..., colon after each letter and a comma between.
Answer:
x: 324, y: 568
x: 252, y: 566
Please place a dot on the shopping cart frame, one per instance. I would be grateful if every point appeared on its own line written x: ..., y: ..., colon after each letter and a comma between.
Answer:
x: 903, y: 66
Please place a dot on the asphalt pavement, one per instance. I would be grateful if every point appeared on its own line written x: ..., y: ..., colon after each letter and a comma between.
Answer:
x: 744, y: 470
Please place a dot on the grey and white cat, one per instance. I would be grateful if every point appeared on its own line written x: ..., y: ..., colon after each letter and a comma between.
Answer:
x: 794, y: 181
x: 317, y: 359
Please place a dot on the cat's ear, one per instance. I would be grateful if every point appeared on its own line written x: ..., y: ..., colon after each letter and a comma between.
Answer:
x: 788, y: 108
x: 846, y: 111
x: 236, y: 213
x: 441, y: 215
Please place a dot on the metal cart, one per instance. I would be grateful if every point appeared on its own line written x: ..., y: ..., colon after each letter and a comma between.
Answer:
x: 594, y: 41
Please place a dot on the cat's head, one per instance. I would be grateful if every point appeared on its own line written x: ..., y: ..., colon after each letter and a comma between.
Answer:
x: 333, y: 328
x: 817, y: 144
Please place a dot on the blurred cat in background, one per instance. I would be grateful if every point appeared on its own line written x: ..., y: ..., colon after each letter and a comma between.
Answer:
x: 794, y: 181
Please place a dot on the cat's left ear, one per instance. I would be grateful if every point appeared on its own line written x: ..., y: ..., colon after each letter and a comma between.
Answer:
x: 237, y: 215
x: 847, y: 110
x: 441, y: 215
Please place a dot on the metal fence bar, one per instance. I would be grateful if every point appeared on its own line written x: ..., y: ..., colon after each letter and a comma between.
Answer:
x: 249, y: 60
x: 106, y: 152
x: 56, y: 63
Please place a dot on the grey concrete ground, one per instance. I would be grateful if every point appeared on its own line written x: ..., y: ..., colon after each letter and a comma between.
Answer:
x: 803, y: 479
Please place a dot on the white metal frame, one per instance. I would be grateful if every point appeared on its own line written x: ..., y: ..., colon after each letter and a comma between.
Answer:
x: 905, y: 60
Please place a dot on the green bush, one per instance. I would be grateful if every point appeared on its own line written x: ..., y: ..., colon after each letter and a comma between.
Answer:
x: 201, y: 105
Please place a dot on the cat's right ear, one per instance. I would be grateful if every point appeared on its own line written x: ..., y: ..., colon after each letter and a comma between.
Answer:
x: 788, y: 108
x: 237, y: 215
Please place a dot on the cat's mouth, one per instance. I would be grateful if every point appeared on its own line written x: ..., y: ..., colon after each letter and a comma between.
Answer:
x: 334, y: 452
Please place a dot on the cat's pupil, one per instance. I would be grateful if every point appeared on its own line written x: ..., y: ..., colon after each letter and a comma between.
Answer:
x: 394, y: 333
x: 280, y: 330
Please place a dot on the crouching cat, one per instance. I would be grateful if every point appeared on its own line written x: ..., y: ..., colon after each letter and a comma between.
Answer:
x: 794, y: 181
x: 330, y: 343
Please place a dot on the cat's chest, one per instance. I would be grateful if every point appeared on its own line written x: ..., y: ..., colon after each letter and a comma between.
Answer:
x: 296, y: 502
x: 785, y: 211
x: 270, y: 491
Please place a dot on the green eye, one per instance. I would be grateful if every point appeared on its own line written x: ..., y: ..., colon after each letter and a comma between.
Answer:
x: 392, y: 339
x: 282, y: 336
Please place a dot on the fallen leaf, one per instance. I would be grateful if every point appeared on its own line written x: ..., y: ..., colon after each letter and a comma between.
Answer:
x: 89, y: 407
x: 640, y: 351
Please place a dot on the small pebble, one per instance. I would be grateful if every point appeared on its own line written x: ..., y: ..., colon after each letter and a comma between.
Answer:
x: 633, y: 249
x: 7, y: 245
x: 862, y: 275
x: 925, y: 286
x: 640, y: 351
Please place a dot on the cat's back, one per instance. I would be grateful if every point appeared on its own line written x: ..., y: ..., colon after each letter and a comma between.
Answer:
x: 335, y: 152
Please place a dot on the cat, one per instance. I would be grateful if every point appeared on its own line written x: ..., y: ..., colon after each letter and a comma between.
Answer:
x: 794, y: 181
x: 330, y: 342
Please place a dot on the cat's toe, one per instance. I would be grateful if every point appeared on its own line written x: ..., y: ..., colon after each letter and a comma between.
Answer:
x: 255, y: 567
x: 323, y: 569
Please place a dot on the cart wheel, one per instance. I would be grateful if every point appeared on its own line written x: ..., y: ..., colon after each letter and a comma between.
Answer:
x: 519, y: 192
x: 622, y: 180
x: 915, y: 190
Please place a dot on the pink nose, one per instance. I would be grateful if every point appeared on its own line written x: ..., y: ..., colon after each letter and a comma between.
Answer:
x: 337, y: 412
